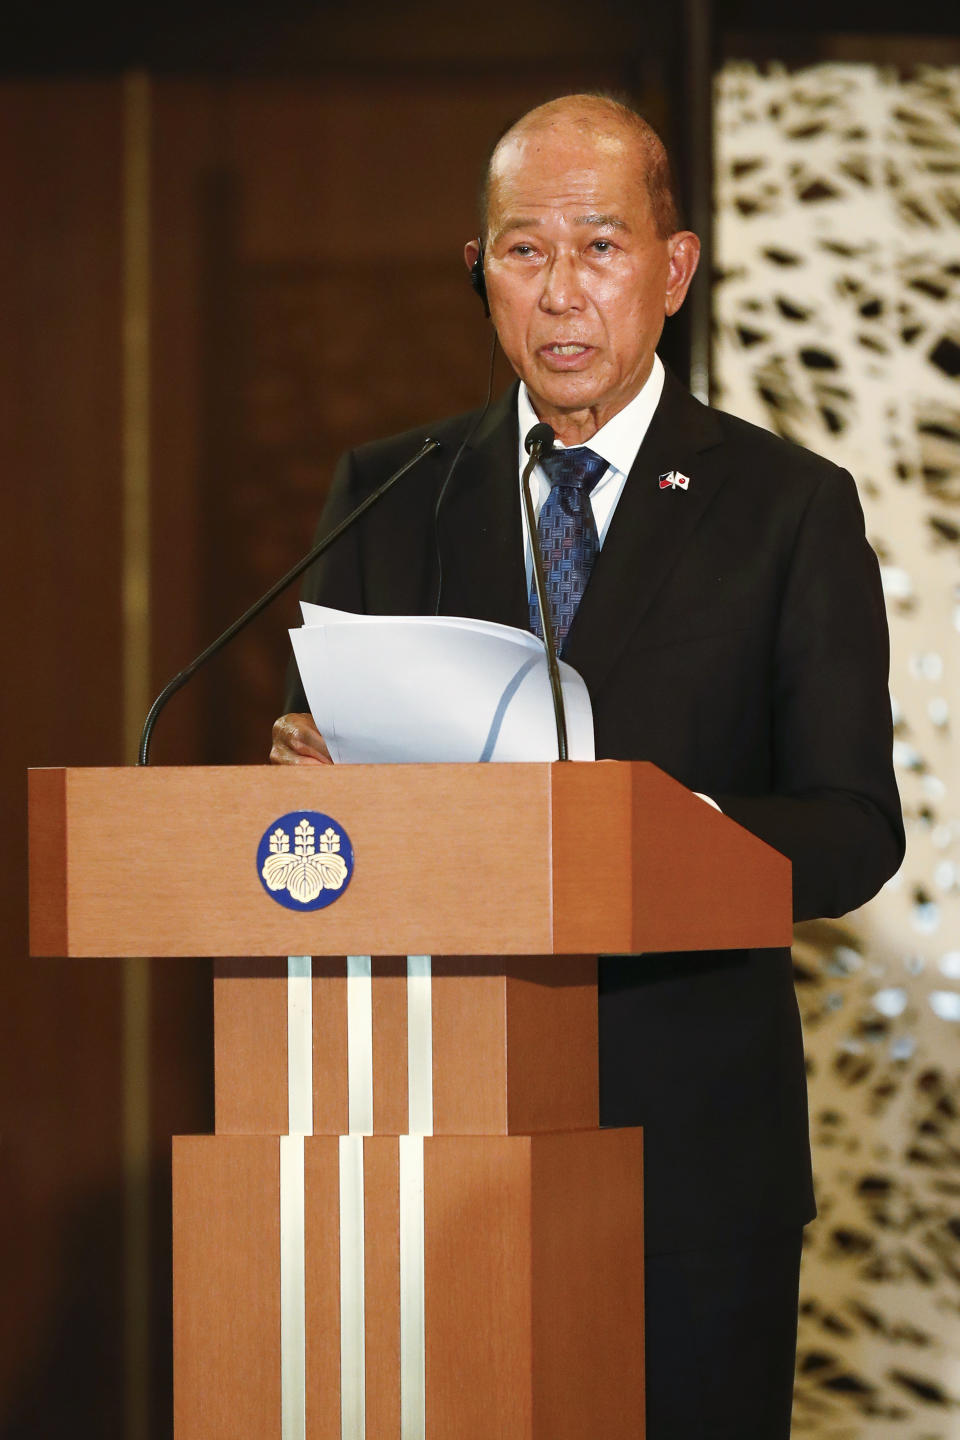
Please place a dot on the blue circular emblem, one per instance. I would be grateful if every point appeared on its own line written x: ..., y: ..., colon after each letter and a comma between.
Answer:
x: 305, y: 860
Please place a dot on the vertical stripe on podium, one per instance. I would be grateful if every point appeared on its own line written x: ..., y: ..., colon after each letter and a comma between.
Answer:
x: 359, y: 1045
x: 419, y: 1045
x: 353, y: 1359
x: 413, y: 1397
x: 300, y: 1044
x: 293, y: 1295
x: 413, y: 1380
x: 351, y: 1187
x: 353, y: 1349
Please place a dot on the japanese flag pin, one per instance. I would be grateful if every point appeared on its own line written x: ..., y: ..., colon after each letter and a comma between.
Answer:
x: 674, y: 480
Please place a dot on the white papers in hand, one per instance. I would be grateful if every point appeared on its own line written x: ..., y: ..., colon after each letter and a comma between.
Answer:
x: 389, y: 689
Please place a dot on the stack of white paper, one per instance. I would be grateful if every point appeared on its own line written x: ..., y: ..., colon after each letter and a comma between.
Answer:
x: 385, y: 688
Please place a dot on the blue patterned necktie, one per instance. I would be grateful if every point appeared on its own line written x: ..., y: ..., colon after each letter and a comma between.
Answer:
x: 567, y: 536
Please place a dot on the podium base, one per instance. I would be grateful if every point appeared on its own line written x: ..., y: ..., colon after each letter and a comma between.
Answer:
x: 483, y: 1287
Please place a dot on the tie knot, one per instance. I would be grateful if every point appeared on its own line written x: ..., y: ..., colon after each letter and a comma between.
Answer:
x: 579, y: 467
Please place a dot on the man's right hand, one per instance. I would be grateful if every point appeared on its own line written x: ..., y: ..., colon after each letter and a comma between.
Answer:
x: 297, y: 741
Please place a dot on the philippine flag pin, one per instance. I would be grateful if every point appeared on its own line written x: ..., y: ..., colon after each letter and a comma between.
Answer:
x: 673, y: 480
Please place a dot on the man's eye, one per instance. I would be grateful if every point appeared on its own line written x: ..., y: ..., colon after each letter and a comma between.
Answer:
x: 602, y: 247
x: 521, y: 249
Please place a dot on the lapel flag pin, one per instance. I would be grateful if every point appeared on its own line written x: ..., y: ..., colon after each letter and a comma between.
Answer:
x: 674, y: 480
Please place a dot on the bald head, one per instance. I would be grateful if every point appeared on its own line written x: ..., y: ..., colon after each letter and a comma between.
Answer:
x: 581, y: 258
x: 596, y: 118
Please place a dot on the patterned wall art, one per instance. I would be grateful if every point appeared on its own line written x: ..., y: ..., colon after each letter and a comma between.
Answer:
x: 837, y: 324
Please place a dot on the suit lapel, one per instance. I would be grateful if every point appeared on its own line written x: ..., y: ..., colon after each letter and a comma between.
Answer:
x: 649, y: 528
x: 481, y: 538
x: 480, y: 535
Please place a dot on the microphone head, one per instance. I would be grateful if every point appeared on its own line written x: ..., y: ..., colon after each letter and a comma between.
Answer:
x: 541, y: 436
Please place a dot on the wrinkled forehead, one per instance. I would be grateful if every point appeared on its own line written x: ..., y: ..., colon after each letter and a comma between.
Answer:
x: 566, y: 167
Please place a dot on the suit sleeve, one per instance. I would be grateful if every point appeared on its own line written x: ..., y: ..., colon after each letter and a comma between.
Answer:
x: 835, y: 810
x: 337, y: 578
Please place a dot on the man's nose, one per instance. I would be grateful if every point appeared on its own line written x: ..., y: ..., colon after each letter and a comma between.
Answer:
x: 562, y: 285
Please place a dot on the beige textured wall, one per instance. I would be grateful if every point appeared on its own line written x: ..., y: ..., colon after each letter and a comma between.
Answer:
x: 837, y: 323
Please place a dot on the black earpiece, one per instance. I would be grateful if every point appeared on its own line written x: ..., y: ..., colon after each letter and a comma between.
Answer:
x: 478, y: 280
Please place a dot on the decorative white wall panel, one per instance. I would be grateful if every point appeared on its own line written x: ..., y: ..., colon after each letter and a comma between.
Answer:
x: 837, y: 324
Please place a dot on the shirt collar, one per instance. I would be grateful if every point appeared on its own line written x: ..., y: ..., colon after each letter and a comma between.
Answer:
x: 619, y: 440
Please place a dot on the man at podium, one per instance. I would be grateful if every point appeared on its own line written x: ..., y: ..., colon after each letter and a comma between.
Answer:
x: 732, y: 631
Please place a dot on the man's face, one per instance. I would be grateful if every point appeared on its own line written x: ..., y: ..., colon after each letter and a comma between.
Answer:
x: 578, y: 281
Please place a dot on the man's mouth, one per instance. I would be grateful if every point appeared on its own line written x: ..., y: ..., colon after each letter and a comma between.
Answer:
x: 572, y: 348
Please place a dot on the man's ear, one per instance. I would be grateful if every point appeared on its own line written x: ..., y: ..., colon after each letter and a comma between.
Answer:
x: 683, y: 249
x: 471, y: 253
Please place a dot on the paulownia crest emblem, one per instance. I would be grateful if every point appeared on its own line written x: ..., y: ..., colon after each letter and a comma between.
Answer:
x: 304, y: 860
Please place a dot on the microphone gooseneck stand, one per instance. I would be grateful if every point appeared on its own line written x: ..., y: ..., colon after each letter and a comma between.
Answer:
x: 539, y: 440
x: 322, y: 545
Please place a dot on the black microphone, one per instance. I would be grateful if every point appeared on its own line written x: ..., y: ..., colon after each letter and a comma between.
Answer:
x: 542, y: 435
x: 539, y: 441
x: 321, y: 546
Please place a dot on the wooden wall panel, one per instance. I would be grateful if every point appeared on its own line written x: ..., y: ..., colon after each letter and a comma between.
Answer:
x: 60, y: 1096
x: 182, y: 153
x: 62, y: 1167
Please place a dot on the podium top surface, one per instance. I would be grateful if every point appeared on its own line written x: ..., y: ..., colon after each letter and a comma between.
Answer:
x: 524, y: 859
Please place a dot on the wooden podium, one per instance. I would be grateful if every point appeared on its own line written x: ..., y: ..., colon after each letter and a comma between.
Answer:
x: 408, y: 1223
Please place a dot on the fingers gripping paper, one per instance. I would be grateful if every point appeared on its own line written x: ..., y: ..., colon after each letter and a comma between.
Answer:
x: 389, y: 689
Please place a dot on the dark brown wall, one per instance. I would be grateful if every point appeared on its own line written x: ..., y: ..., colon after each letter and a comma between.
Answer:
x: 59, y: 450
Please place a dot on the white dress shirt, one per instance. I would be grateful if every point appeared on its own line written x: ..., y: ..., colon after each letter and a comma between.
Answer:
x: 617, y: 442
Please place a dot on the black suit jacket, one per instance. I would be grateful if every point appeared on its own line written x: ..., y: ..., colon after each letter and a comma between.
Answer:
x: 733, y: 633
